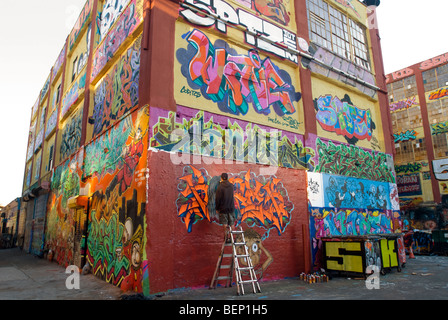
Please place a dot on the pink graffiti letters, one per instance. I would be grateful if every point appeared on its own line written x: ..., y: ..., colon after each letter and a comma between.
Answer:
x: 238, y: 79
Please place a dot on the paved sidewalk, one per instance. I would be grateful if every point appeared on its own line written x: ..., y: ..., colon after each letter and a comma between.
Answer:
x: 25, y: 277
x: 423, y: 278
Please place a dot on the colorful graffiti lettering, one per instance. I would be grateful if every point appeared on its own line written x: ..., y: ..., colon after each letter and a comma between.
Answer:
x: 341, y: 117
x: 404, y: 104
x: 71, y: 135
x: 212, y: 133
x: 405, y: 136
x: 111, y: 10
x: 115, y: 240
x: 408, y: 168
x: 269, y: 37
x: 352, y: 161
x: 274, y: 10
x: 259, y: 200
x: 71, y: 97
x: 440, y: 93
x: 121, y: 29
x: 110, y: 170
x: 343, y: 222
x: 61, y: 221
x: 439, y: 128
x: 117, y: 92
x: 236, y: 81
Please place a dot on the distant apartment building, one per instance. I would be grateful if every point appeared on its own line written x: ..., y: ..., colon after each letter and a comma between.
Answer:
x: 149, y: 102
x: 418, y: 100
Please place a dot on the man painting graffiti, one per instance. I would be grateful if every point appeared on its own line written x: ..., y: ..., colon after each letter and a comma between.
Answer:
x: 225, y: 203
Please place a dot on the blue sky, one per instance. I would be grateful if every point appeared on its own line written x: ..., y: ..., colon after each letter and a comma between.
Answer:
x: 32, y: 33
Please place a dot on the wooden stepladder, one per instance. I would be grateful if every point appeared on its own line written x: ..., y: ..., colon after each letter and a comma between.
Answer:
x: 235, y: 239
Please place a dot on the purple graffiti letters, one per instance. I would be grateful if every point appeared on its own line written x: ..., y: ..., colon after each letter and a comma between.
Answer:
x: 339, y: 116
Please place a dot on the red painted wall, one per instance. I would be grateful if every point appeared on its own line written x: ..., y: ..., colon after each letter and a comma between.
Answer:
x: 179, y: 259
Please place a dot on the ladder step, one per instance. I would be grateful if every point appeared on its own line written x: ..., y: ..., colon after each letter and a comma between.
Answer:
x: 247, y: 281
x: 241, y: 255
x: 223, y: 278
x: 240, y: 243
x: 227, y: 255
x: 225, y: 266
x: 237, y: 231
x: 245, y: 268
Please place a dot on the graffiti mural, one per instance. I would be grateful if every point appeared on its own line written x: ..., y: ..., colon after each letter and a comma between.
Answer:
x: 111, y: 10
x: 403, y: 104
x: 80, y: 24
x: 440, y: 169
x: 409, y: 167
x: 351, y: 161
x: 236, y: 82
x: 117, y: 93
x: 327, y: 222
x: 260, y: 201
x: 60, y: 229
x: 343, y: 118
x: 343, y: 192
x: 71, y: 97
x: 128, y: 22
x: 71, y: 135
x: 275, y: 10
x: 439, y: 93
x: 331, y: 191
x: 111, y: 172
x: 206, y: 133
x: 405, y: 136
x: 115, y: 166
x: 438, y: 128
x: 269, y: 37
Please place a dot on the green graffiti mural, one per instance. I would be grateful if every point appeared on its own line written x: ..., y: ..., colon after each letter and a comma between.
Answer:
x: 352, y: 161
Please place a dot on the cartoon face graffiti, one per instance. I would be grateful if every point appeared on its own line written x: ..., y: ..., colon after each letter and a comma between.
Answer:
x: 255, y: 249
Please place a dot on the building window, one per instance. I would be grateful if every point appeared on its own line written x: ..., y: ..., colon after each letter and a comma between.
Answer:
x: 50, y: 158
x: 420, y: 149
x: 74, y: 71
x: 435, y: 78
x: 440, y: 145
x: 404, y: 152
x: 335, y: 31
x: 438, y: 111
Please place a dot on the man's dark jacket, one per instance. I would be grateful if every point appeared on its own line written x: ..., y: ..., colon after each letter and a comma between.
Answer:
x: 224, y: 197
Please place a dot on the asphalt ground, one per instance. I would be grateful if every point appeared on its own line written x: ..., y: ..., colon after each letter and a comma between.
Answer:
x: 425, y: 278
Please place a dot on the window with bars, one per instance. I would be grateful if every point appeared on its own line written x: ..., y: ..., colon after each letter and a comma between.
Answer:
x: 440, y: 145
x: 420, y: 149
x: 335, y: 31
x: 404, y: 152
